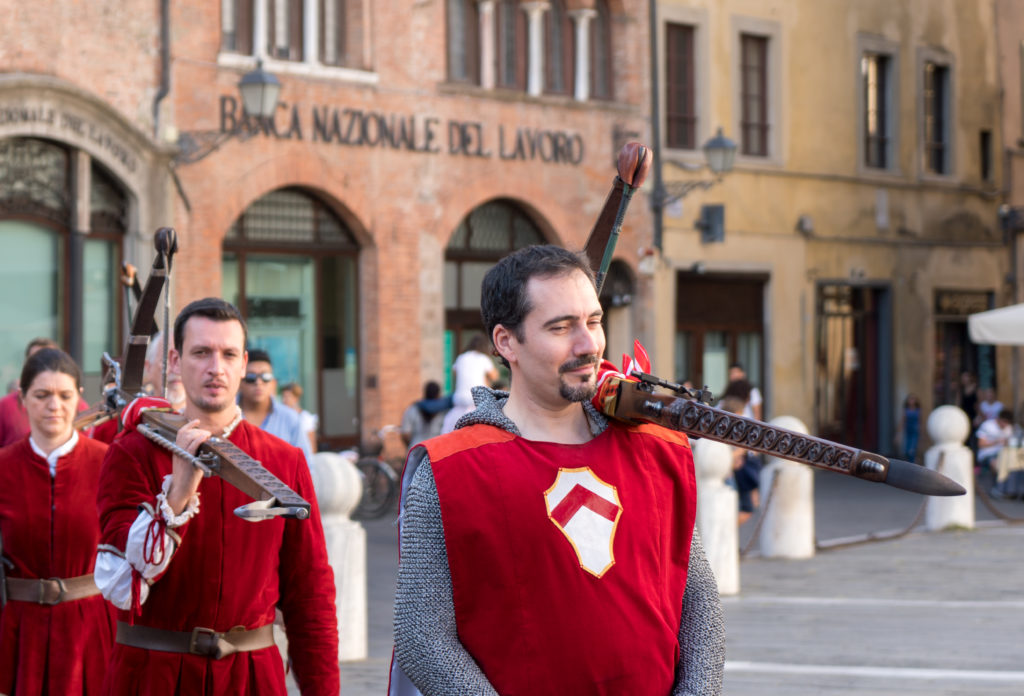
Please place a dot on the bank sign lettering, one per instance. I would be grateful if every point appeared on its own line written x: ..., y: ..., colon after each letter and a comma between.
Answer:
x: 354, y: 127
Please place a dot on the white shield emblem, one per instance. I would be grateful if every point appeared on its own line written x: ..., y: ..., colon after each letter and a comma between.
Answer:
x: 587, y: 511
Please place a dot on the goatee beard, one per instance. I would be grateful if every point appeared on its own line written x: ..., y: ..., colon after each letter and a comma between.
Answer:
x: 579, y: 393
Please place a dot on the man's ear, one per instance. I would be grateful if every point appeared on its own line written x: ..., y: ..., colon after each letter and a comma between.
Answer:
x: 505, y: 343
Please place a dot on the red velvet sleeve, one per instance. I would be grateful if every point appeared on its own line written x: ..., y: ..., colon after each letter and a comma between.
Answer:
x: 131, y: 475
x: 307, y: 596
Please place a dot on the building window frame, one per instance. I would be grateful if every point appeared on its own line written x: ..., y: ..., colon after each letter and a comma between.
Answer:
x: 874, y: 46
x: 936, y: 114
x: 772, y: 88
x: 600, y: 73
x: 510, y: 45
x: 86, y: 200
x: 354, y: 51
x: 464, y: 40
x: 559, y: 49
x: 329, y: 239
x: 697, y: 19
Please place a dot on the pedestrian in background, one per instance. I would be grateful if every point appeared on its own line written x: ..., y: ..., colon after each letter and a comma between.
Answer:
x: 754, y: 406
x: 424, y: 418
x: 473, y: 368
x: 257, y: 396
x: 910, y: 426
x: 291, y: 396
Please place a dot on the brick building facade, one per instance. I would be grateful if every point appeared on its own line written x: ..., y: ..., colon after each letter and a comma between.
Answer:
x: 413, y: 144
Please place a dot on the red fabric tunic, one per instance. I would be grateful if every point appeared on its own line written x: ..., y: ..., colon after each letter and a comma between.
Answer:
x: 535, y: 620
x: 227, y: 572
x: 50, y: 529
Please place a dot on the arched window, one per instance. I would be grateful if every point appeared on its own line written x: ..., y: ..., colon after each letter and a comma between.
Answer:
x: 558, y: 49
x: 510, y: 53
x: 601, y: 52
x: 290, y: 265
x: 487, y: 234
x: 38, y: 253
x: 463, y: 41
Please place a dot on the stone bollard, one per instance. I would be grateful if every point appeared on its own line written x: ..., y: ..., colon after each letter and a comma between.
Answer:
x: 338, y: 490
x: 949, y: 427
x: 787, y: 530
x: 717, y: 505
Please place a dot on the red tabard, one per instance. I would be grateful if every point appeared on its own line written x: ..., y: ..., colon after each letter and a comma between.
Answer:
x: 228, y: 572
x: 50, y: 529
x: 528, y: 611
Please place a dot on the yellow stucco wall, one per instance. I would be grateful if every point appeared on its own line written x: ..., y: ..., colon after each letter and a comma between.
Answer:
x: 942, y: 232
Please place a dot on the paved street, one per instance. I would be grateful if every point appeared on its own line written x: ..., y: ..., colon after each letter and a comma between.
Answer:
x: 926, y: 613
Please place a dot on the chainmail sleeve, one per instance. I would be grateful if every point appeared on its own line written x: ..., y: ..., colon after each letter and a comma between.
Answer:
x: 427, y: 646
x: 701, y: 630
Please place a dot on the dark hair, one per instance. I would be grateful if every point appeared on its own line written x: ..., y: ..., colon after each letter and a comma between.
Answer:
x: 260, y: 355
x: 431, y: 390
x: 49, y: 360
x: 739, y: 388
x: 1006, y: 415
x: 293, y: 387
x: 479, y: 343
x: 40, y: 342
x: 736, y: 366
x: 503, y: 297
x: 210, y: 308
x: 732, y: 404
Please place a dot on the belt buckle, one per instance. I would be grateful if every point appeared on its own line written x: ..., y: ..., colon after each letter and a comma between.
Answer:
x: 205, y: 642
x: 62, y: 591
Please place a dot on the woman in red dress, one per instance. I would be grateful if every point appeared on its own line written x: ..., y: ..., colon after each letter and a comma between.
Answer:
x: 56, y: 630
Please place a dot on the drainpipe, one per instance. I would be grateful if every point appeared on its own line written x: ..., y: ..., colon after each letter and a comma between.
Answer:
x: 658, y: 193
x: 165, y: 64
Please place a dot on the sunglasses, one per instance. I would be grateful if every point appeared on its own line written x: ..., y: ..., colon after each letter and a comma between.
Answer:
x: 252, y: 377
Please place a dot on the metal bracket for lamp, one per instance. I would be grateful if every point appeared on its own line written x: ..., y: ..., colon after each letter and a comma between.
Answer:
x: 259, y: 90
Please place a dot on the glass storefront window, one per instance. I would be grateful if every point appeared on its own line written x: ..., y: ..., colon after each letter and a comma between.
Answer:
x: 29, y: 259
x: 716, y: 361
x: 290, y: 265
x: 100, y: 285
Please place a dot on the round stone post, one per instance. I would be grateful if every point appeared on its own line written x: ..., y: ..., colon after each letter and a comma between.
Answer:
x: 338, y: 490
x: 788, y: 527
x: 717, y: 505
x: 949, y: 427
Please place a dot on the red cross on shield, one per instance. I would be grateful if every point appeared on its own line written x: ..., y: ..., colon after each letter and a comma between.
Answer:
x: 587, y: 511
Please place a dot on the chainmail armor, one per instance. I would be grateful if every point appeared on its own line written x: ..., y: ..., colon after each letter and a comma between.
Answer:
x: 427, y: 646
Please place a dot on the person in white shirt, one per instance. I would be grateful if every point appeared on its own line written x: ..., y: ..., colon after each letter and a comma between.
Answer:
x: 753, y: 408
x: 473, y: 368
x: 993, y: 435
x: 989, y: 406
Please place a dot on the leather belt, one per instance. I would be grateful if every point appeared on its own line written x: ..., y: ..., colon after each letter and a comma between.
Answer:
x: 51, y: 591
x: 204, y: 642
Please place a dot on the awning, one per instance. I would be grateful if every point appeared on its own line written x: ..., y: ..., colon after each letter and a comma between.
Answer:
x: 1003, y: 326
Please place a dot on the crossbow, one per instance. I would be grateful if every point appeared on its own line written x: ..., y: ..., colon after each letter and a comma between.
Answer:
x: 636, y: 399
x: 217, y: 456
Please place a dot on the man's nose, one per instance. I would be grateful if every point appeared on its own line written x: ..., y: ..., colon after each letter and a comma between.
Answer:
x: 216, y: 364
x: 587, y: 342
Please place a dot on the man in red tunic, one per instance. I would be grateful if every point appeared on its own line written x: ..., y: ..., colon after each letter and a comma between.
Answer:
x: 196, y: 584
x: 545, y: 549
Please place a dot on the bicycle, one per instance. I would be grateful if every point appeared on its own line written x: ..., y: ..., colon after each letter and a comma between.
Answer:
x: 380, y: 477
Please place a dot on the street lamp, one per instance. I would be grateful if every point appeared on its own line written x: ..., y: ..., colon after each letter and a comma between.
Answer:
x: 719, y: 154
x: 259, y: 90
